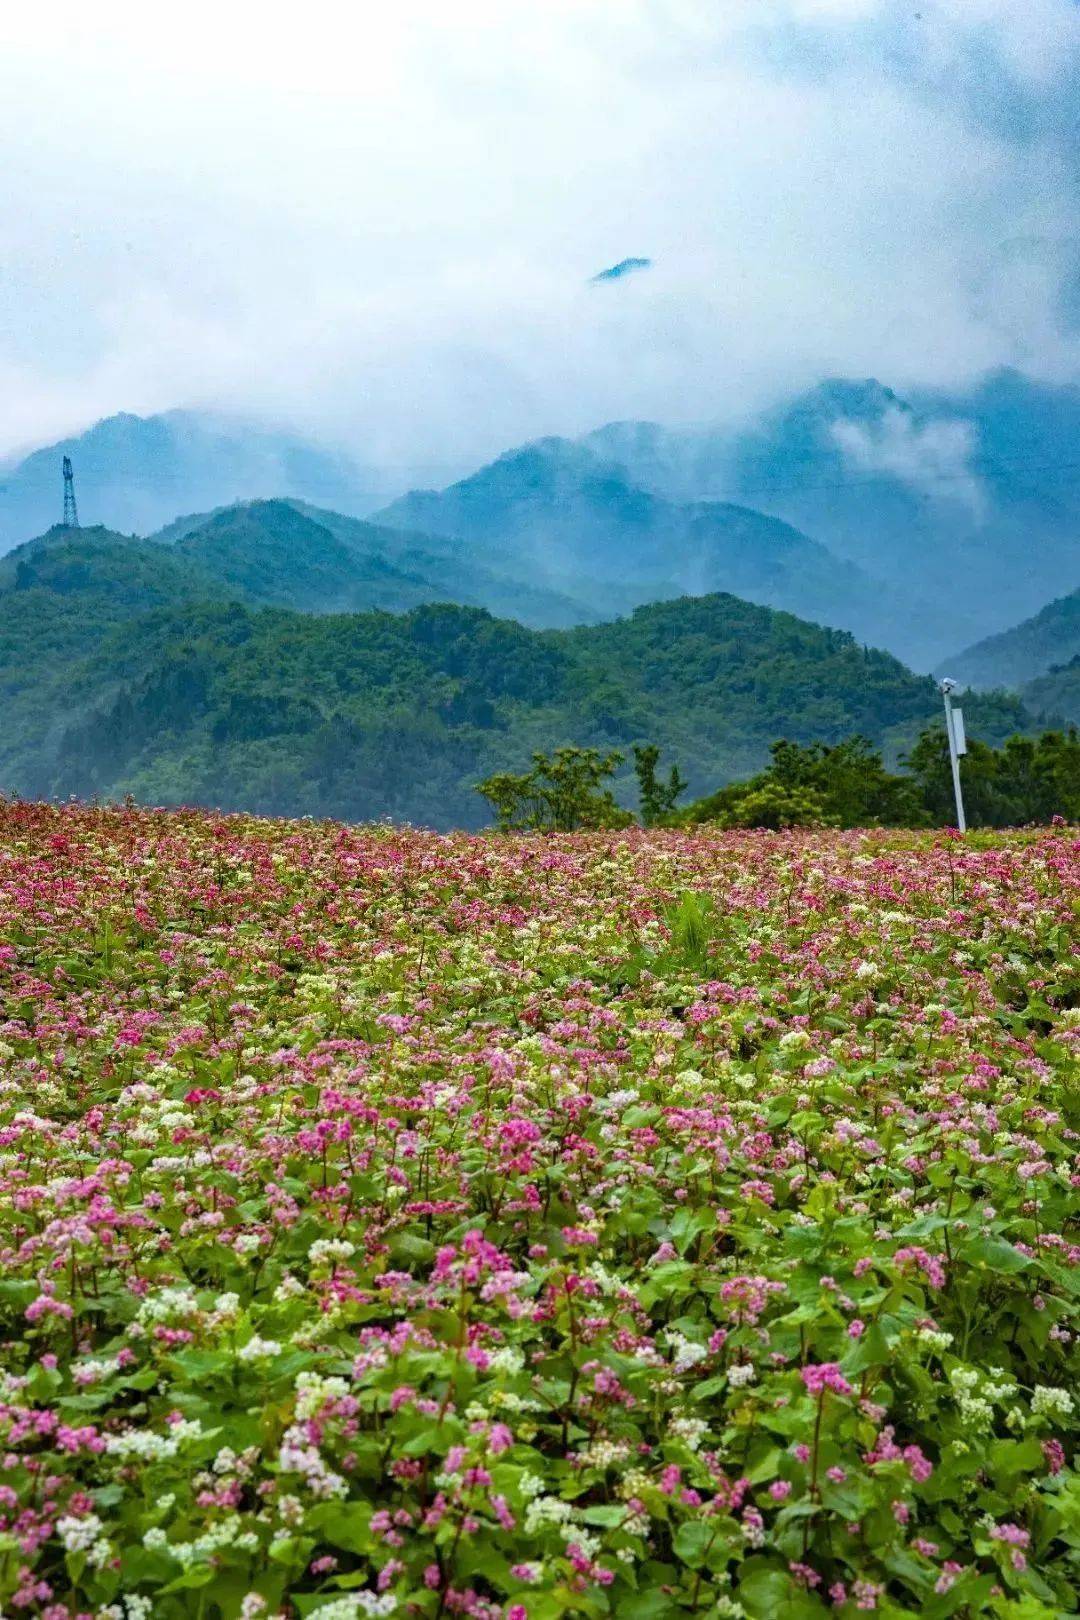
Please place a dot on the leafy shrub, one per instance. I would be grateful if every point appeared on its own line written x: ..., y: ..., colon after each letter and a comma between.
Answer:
x: 562, y: 792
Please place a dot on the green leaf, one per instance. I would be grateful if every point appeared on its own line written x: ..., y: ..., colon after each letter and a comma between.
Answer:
x: 995, y: 1254
x: 692, y: 1541
x: 648, y: 1605
x: 768, y: 1593
x: 607, y: 1514
x: 343, y: 1524
x: 411, y: 1246
x: 871, y: 1350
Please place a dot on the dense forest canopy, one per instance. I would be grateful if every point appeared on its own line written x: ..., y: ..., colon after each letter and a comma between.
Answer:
x: 130, y: 666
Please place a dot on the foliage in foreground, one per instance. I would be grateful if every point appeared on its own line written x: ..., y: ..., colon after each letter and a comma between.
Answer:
x: 1028, y: 779
x: 562, y: 792
x: 844, y: 785
x: 634, y: 1224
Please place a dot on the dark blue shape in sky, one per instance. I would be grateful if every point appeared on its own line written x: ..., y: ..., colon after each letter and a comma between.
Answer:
x: 625, y: 267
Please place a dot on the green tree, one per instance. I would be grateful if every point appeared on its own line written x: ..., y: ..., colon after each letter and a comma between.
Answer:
x: 658, y: 797
x: 839, y: 785
x: 775, y: 806
x: 1029, y: 779
x: 563, y: 792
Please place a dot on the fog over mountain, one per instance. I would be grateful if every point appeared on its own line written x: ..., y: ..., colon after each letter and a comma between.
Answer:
x: 381, y: 226
x: 623, y: 300
x: 136, y: 473
x: 967, y: 502
x: 921, y: 524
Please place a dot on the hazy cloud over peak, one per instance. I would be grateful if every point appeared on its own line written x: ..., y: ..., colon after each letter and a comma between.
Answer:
x: 934, y: 458
x: 381, y: 222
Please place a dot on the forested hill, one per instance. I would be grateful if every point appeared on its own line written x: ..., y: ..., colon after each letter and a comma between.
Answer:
x: 1057, y: 693
x: 373, y: 714
x: 278, y: 553
x: 1050, y: 638
x: 562, y: 515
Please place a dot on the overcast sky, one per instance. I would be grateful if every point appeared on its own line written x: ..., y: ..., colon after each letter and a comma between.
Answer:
x: 378, y: 221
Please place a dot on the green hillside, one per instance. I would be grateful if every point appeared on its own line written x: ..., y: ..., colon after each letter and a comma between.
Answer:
x: 452, y: 572
x: 1051, y: 637
x: 1057, y: 692
x: 371, y: 714
x: 559, y: 513
x: 267, y: 551
x: 288, y: 554
x: 120, y: 572
x: 61, y: 596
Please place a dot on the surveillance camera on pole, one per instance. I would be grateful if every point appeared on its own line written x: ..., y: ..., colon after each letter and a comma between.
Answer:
x: 954, y: 730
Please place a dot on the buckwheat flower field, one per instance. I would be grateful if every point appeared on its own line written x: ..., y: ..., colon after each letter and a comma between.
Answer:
x: 638, y: 1224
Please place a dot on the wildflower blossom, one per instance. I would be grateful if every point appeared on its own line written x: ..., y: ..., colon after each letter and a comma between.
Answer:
x: 415, y: 1211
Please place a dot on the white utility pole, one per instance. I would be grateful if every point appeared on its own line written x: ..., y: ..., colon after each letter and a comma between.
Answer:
x: 954, y: 730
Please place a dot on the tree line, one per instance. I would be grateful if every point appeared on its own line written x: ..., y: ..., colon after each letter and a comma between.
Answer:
x: 845, y: 784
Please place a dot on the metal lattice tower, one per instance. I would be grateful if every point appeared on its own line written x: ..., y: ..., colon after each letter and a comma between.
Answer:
x: 71, y: 511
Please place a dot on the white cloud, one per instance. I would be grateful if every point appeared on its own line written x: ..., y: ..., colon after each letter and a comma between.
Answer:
x: 380, y: 221
x: 934, y: 458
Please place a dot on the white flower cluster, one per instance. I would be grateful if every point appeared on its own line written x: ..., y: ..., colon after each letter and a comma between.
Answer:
x: 151, y: 1447
x: 297, y: 1456
x: 687, y: 1353
x: 635, y: 1524
x: 258, y: 1349
x: 168, y: 1305
x: 172, y: 1117
x: 633, y: 1483
x: 313, y: 1391
x: 607, y: 1283
x: 93, y: 1370
x: 741, y: 1375
x: 329, y: 1249
x: 356, y: 1604
x: 976, y: 1410
x: 226, y: 1311
x: 84, y: 1535
x: 604, y: 1453
x: 691, y: 1431
x: 1050, y: 1402
x: 618, y: 1099
x: 505, y: 1401
x: 506, y: 1359
x: 229, y: 1532
x: 998, y: 1387
x: 552, y: 1513
x: 135, y: 1608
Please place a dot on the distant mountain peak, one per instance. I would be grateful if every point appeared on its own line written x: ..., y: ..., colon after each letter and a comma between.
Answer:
x: 625, y: 267
x: 135, y: 473
x: 867, y: 398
